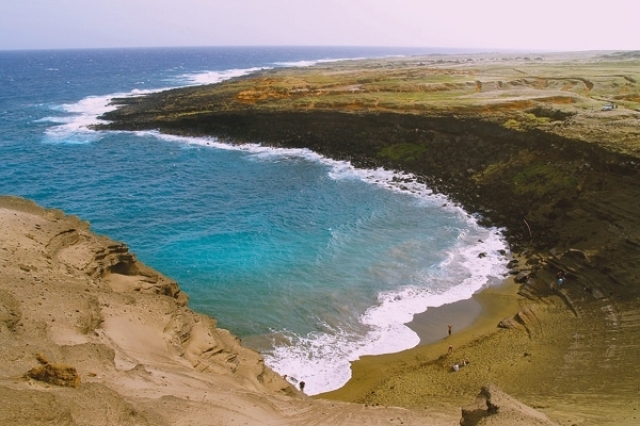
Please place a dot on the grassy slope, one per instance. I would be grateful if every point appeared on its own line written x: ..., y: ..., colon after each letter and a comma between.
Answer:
x: 557, y: 93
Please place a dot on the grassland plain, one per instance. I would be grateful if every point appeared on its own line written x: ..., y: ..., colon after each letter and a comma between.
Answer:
x: 545, y: 145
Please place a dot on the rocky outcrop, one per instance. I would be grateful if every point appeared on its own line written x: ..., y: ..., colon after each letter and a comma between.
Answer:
x: 56, y: 374
x: 524, y: 319
x: 496, y: 408
x: 106, y: 261
x: 10, y: 313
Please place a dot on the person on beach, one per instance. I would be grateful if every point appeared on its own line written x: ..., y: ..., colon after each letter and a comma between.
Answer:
x: 302, y: 386
x: 449, y: 329
x: 450, y: 349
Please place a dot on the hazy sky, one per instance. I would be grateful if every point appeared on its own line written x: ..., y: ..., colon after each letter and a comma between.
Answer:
x: 490, y: 24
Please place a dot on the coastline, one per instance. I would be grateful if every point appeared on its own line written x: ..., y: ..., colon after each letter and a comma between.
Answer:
x: 432, y: 325
x: 546, y: 349
x: 528, y: 360
x: 472, y: 319
x: 538, y: 167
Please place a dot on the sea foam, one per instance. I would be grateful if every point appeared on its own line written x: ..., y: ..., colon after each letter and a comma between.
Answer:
x: 75, y: 127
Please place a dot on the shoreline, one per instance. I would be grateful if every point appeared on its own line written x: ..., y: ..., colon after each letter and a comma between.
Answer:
x: 431, y: 325
x: 474, y: 318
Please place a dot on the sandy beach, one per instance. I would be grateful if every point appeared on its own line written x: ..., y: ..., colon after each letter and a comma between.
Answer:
x: 473, y: 319
x: 433, y: 325
x: 543, y: 356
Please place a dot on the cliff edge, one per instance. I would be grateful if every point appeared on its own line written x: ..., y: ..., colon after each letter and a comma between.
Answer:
x: 91, y: 336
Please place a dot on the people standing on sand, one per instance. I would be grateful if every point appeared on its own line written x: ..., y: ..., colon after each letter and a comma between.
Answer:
x: 302, y: 386
x: 449, y: 329
x: 450, y: 349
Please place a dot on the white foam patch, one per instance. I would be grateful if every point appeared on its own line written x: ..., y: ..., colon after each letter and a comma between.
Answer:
x: 310, y: 63
x: 212, y: 77
x: 76, y: 127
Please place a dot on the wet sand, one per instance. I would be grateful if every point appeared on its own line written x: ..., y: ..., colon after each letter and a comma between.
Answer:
x: 432, y: 325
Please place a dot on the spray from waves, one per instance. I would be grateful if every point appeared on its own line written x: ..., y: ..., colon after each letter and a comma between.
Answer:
x: 212, y: 77
x: 322, y: 358
x: 310, y: 63
x: 76, y: 126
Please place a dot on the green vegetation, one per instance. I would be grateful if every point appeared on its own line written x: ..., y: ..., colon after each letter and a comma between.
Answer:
x: 543, y: 179
x: 525, y: 122
x: 405, y: 152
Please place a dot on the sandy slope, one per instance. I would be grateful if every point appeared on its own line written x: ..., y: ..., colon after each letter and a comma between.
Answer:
x: 69, y: 297
x: 121, y: 348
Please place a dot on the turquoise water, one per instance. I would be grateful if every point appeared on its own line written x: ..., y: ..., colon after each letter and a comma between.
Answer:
x: 309, y: 260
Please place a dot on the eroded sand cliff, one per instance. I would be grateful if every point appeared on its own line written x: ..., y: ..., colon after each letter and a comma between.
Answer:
x: 91, y: 336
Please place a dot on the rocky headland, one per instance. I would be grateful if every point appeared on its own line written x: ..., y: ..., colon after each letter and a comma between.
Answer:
x: 547, y: 147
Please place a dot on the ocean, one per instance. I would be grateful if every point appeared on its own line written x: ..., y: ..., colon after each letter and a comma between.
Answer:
x: 310, y: 261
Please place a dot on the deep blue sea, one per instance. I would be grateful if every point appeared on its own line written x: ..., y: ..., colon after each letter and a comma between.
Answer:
x: 308, y: 260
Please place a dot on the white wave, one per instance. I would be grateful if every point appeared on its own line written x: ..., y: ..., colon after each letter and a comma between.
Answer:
x: 392, y: 180
x: 212, y: 77
x: 323, y: 360
x: 75, y: 128
x: 310, y: 63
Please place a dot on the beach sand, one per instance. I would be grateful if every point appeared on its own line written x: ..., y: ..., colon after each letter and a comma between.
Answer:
x: 472, y: 320
x: 432, y: 325
x: 547, y: 360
